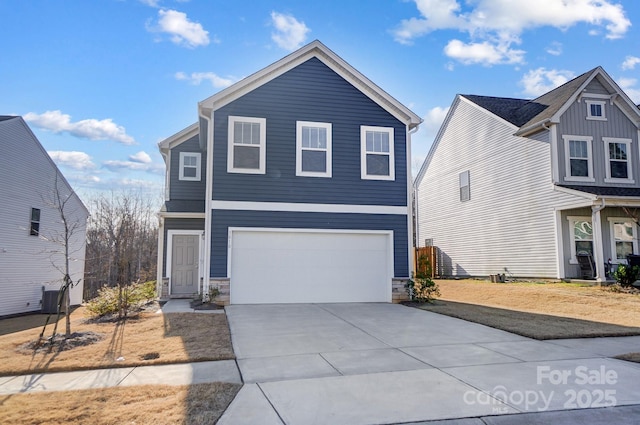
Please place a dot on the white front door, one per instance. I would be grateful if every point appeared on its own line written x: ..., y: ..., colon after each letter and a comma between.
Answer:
x: 270, y: 266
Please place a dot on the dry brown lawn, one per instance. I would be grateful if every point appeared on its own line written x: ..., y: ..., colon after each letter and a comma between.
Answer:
x: 541, y: 310
x: 198, y: 404
x: 160, y: 338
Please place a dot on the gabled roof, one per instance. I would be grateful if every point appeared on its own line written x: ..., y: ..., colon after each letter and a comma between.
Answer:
x: 531, y: 116
x: 317, y: 50
x: 181, y: 136
x: 515, y: 111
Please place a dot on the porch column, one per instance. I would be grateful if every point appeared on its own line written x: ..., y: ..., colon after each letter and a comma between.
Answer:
x: 598, y: 254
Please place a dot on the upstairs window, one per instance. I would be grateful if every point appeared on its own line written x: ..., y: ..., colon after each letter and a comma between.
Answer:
x: 247, y: 145
x: 34, y: 226
x: 465, y: 186
x: 578, y: 158
x: 596, y: 110
x: 376, y: 150
x: 190, y: 166
x: 618, y: 154
x: 313, y: 149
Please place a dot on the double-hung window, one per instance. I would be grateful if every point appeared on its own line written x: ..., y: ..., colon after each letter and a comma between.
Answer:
x: 618, y: 155
x: 581, y: 232
x: 376, y: 150
x: 247, y: 145
x: 313, y: 149
x: 190, y: 166
x: 34, y: 225
x: 578, y: 158
x: 596, y: 110
x: 624, y: 240
x: 465, y: 186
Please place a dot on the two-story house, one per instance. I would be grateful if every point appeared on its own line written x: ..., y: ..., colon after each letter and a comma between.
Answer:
x: 32, y: 234
x: 521, y: 186
x: 293, y: 187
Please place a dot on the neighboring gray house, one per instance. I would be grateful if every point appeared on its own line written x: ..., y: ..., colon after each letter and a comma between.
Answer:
x: 523, y: 185
x: 294, y: 186
x: 30, y: 225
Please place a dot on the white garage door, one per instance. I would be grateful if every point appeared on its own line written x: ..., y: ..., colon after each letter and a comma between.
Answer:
x: 306, y: 266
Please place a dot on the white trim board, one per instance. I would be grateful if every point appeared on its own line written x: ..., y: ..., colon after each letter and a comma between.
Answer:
x: 305, y: 207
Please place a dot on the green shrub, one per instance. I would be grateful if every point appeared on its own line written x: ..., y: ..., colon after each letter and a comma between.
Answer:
x: 625, y: 275
x: 134, y: 295
x: 422, y: 288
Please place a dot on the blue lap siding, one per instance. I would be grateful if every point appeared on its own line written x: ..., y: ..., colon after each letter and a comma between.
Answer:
x: 309, y: 92
x: 223, y: 219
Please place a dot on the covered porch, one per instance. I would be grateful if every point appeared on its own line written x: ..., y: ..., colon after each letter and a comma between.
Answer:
x: 603, y: 229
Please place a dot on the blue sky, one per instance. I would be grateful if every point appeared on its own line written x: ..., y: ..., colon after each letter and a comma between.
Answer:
x: 101, y: 82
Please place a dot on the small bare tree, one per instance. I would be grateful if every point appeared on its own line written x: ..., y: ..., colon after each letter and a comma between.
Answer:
x: 64, y: 249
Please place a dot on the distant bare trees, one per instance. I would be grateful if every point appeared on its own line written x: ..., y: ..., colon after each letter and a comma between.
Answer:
x: 122, y: 241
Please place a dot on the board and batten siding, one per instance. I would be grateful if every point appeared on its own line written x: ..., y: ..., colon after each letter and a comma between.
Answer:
x: 309, y: 92
x: 574, y: 122
x: 27, y: 263
x: 508, y: 225
x: 223, y: 219
x: 186, y: 189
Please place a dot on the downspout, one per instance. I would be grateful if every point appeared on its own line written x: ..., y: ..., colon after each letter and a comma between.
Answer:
x: 410, y: 201
x: 597, y: 240
x: 207, y: 205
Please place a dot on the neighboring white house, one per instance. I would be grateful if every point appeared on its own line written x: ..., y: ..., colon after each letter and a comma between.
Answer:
x: 520, y: 186
x: 31, y: 229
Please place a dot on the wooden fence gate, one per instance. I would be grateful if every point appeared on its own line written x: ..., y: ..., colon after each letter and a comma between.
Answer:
x: 426, y: 260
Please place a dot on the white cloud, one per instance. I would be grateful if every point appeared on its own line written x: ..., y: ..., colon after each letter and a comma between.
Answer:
x: 629, y: 85
x: 500, y: 22
x: 198, y: 77
x: 539, y: 81
x: 484, y: 53
x: 72, y: 159
x: 116, y: 165
x: 151, y: 3
x: 182, y: 31
x: 630, y: 62
x: 91, y: 129
x: 433, y: 120
x: 290, y: 33
x: 555, y: 48
x: 141, y: 157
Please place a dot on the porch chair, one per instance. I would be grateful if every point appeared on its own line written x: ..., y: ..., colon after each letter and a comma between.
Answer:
x: 587, y: 265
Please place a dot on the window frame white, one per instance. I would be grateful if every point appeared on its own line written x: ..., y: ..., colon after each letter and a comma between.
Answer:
x: 183, y: 156
x: 567, y: 139
x: 572, y: 235
x: 363, y: 153
x: 608, y: 179
x: 300, y: 149
x: 602, y: 104
x: 262, y: 145
x: 467, y: 175
x: 612, y: 236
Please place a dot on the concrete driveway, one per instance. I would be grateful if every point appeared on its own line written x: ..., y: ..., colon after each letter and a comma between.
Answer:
x: 386, y: 363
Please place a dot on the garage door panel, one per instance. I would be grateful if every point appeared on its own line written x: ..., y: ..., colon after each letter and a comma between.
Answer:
x: 298, y: 267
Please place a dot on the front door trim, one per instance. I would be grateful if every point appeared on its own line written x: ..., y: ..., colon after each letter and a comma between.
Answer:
x: 170, y: 235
